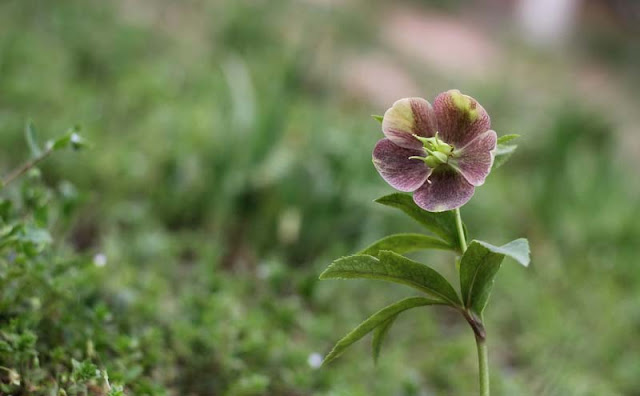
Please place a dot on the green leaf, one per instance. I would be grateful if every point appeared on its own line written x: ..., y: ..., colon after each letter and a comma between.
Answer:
x: 404, y: 243
x: 60, y: 143
x: 502, y: 154
x: 395, y: 268
x: 116, y: 390
x: 30, y: 136
x: 517, y: 249
x: 442, y: 224
x: 377, y: 117
x: 5, y: 209
x: 507, y: 138
x: 379, y: 335
x: 479, y: 266
x: 84, y: 371
x: 70, y: 139
x: 375, y: 320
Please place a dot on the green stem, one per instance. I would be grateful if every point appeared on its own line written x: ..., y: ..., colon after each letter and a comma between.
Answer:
x: 483, y: 366
x: 461, y: 237
x: 478, y: 328
x: 25, y: 168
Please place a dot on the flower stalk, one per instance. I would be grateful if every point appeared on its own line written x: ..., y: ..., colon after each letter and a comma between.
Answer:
x: 16, y: 173
x: 476, y: 326
x: 463, y: 240
x: 483, y: 366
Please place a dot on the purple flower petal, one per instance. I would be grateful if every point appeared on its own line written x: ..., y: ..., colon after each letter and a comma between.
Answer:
x: 460, y: 118
x: 407, y: 117
x: 395, y: 167
x: 475, y: 159
x: 446, y: 190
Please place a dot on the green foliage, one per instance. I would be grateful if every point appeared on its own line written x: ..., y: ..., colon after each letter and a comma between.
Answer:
x: 69, y: 139
x: 479, y: 266
x: 405, y: 243
x: 442, y: 224
x: 517, y: 249
x: 38, y: 289
x: 253, y: 384
x: 392, y: 267
x: 30, y: 136
x: 381, y: 320
x: 507, y: 138
x: 378, y: 118
x: 116, y: 390
x: 502, y: 154
x: 379, y: 335
x: 503, y: 150
x: 84, y: 371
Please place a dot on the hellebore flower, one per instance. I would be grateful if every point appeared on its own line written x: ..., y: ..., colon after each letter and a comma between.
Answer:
x: 440, y: 153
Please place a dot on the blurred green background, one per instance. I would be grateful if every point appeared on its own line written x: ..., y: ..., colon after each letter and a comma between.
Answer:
x: 231, y: 164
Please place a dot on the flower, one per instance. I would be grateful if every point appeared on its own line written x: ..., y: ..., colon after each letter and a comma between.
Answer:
x: 314, y: 360
x: 440, y: 153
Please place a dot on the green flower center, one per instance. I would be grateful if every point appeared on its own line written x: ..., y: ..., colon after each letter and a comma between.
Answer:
x: 438, y: 152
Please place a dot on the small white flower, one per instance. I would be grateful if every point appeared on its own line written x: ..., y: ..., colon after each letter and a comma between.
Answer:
x: 315, y: 360
x: 100, y: 260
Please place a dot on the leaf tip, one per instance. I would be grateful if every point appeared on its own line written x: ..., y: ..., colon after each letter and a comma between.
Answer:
x: 507, y: 138
x: 331, y: 356
x: 323, y: 275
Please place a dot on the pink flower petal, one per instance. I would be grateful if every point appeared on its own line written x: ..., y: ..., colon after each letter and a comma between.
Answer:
x: 395, y: 167
x: 460, y: 118
x: 446, y: 190
x: 475, y: 159
x: 407, y: 117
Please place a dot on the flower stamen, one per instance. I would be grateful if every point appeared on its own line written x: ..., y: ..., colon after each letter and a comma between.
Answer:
x: 437, y: 150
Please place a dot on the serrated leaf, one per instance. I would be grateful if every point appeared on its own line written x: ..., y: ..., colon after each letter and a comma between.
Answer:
x: 378, y: 118
x: 507, y: 138
x: 479, y: 266
x: 374, y: 321
x: 395, y: 268
x: 502, y: 153
x: 442, y: 224
x: 30, y: 136
x: 379, y: 335
x: 404, y: 243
